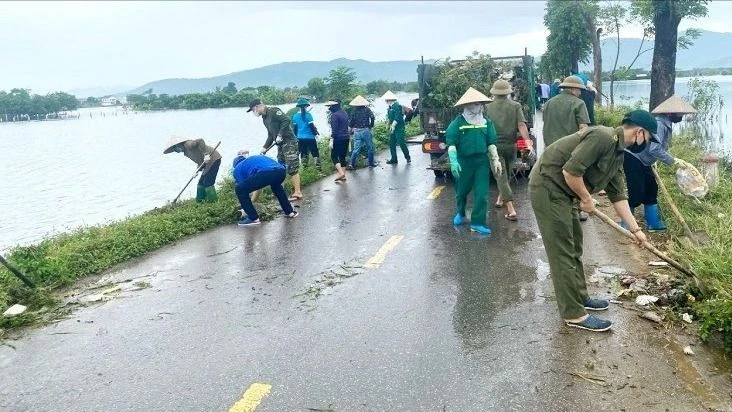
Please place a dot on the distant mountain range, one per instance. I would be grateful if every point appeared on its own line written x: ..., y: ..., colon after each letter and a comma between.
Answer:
x: 287, y: 75
x: 711, y: 49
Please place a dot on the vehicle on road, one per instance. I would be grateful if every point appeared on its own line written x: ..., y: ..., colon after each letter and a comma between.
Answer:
x: 436, y: 99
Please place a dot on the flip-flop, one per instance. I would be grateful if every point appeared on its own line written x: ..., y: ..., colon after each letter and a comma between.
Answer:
x: 498, y: 206
x: 340, y: 179
x: 510, y: 217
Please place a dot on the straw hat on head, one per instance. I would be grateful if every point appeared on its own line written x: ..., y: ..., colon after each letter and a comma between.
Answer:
x: 389, y: 96
x: 359, y: 101
x: 330, y: 103
x: 572, y: 82
x: 173, y: 141
x: 674, y: 104
x: 472, y: 96
x: 501, y: 88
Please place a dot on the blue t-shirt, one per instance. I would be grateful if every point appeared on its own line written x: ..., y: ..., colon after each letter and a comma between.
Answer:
x: 303, y: 125
x: 253, y: 164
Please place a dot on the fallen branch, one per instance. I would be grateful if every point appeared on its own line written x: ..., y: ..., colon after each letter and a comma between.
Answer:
x: 596, y: 381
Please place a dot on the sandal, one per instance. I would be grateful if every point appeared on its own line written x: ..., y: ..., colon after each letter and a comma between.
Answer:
x: 340, y: 179
x: 498, y: 205
x: 510, y: 217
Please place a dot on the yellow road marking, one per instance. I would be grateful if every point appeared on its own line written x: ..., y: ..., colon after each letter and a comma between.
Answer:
x: 379, y: 257
x: 435, y: 192
x: 251, y: 398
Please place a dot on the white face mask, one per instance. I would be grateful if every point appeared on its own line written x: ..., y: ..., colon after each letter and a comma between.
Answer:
x: 473, y: 114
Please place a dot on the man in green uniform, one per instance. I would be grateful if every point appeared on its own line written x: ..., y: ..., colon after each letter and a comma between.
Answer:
x: 279, y: 131
x: 573, y: 168
x: 509, y: 120
x: 471, y: 139
x: 395, y: 116
x: 565, y: 113
x: 198, y: 151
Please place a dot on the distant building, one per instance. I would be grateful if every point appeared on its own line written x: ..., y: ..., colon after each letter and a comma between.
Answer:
x: 110, y: 101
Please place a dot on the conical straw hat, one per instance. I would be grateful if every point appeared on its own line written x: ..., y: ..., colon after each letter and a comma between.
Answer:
x: 359, y: 101
x: 174, y: 140
x: 674, y: 104
x: 389, y: 95
x: 472, y: 96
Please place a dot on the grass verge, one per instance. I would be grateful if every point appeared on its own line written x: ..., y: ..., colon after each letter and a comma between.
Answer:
x: 60, y: 260
x: 712, y: 260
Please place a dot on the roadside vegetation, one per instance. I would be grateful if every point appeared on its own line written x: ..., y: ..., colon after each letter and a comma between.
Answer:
x: 711, y: 216
x: 61, y: 260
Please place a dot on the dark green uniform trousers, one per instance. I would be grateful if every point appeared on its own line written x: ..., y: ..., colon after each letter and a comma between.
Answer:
x: 507, y: 155
x: 397, y: 138
x: 559, y: 225
x: 474, y: 176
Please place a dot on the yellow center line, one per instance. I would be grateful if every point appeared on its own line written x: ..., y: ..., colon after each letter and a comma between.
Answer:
x: 435, y: 192
x: 379, y: 257
x: 251, y: 398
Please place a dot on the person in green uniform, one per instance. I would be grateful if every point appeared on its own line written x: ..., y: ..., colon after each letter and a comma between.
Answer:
x: 198, y: 151
x: 509, y: 120
x: 565, y: 113
x: 471, y: 139
x: 570, y: 169
x: 279, y: 132
x: 395, y: 116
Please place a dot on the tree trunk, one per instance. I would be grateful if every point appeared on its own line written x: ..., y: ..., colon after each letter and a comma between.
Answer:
x: 663, y: 69
x: 575, y: 66
x: 597, y: 60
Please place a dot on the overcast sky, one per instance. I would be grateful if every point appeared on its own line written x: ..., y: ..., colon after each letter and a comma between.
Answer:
x: 71, y: 45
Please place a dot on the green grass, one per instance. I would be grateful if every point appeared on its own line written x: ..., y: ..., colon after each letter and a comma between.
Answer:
x: 60, y: 260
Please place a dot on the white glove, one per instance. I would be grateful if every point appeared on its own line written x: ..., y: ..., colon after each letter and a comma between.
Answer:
x: 278, y: 140
x: 206, y: 158
x: 495, y: 161
x: 392, y: 126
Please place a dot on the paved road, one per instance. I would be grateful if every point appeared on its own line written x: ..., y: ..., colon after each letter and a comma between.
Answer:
x: 369, y: 301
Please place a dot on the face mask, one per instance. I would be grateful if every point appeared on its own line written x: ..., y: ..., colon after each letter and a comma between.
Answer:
x: 638, y: 147
x: 675, y: 118
x: 474, y: 109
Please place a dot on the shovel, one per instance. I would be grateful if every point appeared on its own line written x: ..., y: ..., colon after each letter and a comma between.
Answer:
x: 697, y: 238
x: 650, y: 247
x: 198, y: 169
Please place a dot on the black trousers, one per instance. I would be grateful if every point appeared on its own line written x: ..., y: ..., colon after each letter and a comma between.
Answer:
x: 339, y: 151
x: 209, y: 178
x: 642, y: 186
x: 308, y: 146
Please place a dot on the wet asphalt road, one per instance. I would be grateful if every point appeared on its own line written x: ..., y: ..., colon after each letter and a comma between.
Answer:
x: 448, y: 322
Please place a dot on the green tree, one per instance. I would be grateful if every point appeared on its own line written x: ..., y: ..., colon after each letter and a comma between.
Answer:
x: 591, y: 12
x: 340, y: 82
x: 378, y: 87
x: 316, y: 88
x: 661, y: 18
x: 569, y: 41
x: 230, y: 89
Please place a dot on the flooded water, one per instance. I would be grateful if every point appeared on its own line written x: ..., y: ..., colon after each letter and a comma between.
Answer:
x: 107, y: 165
x: 629, y: 92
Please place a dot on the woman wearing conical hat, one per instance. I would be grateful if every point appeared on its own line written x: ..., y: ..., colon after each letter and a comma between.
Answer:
x: 471, y: 140
x: 641, y: 182
x: 303, y: 125
x: 198, y: 151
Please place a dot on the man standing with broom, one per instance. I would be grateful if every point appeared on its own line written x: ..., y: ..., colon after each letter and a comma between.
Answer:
x: 571, y: 168
x: 202, y: 155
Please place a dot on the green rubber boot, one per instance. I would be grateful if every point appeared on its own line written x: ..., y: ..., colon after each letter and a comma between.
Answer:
x: 200, y: 193
x: 211, y: 195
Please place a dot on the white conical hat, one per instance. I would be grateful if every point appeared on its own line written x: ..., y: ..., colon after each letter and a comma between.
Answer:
x: 330, y: 103
x: 674, y: 104
x: 174, y: 140
x: 359, y: 101
x: 389, y: 95
x: 472, y: 96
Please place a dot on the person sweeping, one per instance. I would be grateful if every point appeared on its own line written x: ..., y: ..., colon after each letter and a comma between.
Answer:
x: 200, y: 153
x: 642, y: 185
x: 471, y: 139
x: 570, y: 170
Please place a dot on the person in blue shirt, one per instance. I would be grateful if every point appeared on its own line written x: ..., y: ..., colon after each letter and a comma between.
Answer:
x: 252, y: 173
x: 304, y: 127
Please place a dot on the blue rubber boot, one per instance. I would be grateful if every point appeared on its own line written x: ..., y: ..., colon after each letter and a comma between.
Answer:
x: 483, y: 230
x: 458, y: 219
x: 653, y: 218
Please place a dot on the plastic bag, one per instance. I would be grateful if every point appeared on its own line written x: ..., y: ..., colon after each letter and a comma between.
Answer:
x: 691, y: 182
